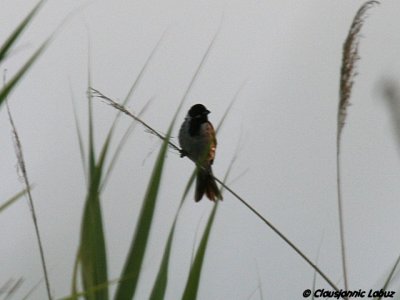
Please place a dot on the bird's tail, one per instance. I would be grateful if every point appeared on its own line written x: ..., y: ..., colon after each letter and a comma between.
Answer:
x: 205, y: 184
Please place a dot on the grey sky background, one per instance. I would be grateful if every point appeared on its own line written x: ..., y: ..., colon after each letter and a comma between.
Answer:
x: 288, y: 56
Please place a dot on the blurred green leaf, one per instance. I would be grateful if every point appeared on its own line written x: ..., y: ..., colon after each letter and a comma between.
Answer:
x: 74, y: 288
x: 12, y: 199
x: 130, y: 274
x: 92, y: 250
x: 121, y: 145
x: 17, y: 77
x: 92, y: 154
x: 7, y: 46
x: 127, y: 287
x: 192, y: 284
x: 77, y: 295
x: 129, y: 95
x: 160, y: 285
x: 78, y: 133
x: 10, y: 41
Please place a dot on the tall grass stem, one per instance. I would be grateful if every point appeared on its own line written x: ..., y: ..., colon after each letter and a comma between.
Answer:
x: 347, y: 75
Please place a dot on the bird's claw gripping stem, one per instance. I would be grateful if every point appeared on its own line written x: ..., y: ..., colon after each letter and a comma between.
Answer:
x: 183, y: 153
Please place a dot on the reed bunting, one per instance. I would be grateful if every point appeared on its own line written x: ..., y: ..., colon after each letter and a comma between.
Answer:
x: 198, y: 142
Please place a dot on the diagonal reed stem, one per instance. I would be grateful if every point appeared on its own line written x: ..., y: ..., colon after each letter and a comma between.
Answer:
x: 123, y: 109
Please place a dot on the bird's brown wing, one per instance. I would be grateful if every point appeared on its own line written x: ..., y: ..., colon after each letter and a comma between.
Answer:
x: 213, y: 143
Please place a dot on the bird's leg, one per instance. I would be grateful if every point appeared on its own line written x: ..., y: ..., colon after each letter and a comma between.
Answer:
x: 183, y: 153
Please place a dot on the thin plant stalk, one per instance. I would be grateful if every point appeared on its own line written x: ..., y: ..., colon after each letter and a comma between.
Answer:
x: 175, y: 147
x: 10, y: 201
x: 33, y: 289
x: 347, y: 75
x: 22, y: 166
x: 15, y: 286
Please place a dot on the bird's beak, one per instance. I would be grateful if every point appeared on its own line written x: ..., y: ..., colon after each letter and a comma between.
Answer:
x: 206, y: 112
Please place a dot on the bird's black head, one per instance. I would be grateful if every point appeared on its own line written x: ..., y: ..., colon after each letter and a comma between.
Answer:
x: 198, y: 111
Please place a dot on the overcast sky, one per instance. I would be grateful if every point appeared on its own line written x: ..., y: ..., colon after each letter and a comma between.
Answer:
x: 286, y: 55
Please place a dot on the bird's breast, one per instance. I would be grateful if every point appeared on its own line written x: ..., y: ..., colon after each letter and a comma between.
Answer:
x: 199, y: 146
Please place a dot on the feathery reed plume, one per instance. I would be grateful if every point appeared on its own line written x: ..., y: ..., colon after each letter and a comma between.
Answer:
x: 120, y: 107
x: 350, y: 57
x: 347, y: 75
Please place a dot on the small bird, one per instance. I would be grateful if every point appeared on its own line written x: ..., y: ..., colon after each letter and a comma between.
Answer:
x: 198, y: 142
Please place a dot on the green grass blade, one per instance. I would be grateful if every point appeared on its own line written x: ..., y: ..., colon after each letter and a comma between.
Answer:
x: 193, y: 281
x: 121, y: 145
x: 103, y: 155
x: 196, y: 74
x: 78, y: 295
x: 192, y: 284
x: 127, y: 98
x: 130, y: 274
x: 13, y: 199
x: 143, y: 70
x: 228, y: 109
x: 74, y: 288
x: 160, y: 285
x: 92, y: 153
x: 78, y: 133
x: 189, y: 184
x: 92, y: 249
x: 17, y: 77
x: 10, y: 41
